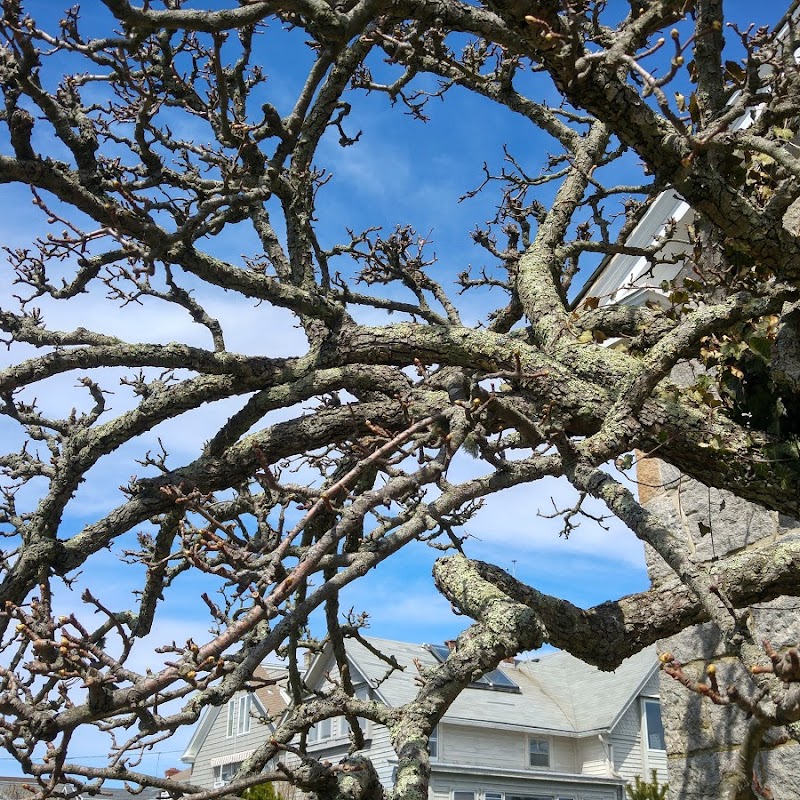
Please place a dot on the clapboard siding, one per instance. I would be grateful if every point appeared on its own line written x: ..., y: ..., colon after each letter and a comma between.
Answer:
x: 631, y: 757
x: 218, y: 744
x: 592, y: 756
x: 483, y: 742
x: 626, y: 739
x: 494, y: 748
x: 490, y: 747
x: 382, y: 754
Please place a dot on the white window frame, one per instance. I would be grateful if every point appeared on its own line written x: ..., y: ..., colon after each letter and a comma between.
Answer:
x: 231, y: 729
x: 530, y: 797
x: 243, y: 719
x: 651, y: 701
x: 545, y: 740
x: 433, y: 744
x: 323, y: 731
x: 239, y: 716
x: 463, y: 794
x: 223, y: 773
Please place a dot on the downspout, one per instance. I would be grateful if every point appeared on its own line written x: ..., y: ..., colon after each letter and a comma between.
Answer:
x: 620, y: 790
x: 607, y: 751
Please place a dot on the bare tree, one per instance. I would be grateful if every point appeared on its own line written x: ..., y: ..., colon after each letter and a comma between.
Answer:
x: 145, y: 135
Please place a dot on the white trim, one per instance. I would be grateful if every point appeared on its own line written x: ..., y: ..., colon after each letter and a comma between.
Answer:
x: 534, y: 731
x: 439, y: 771
x: 243, y: 718
x: 435, y: 737
x: 324, y: 661
x: 645, y: 701
x: 230, y: 719
x: 622, y: 269
x: 634, y: 697
x: 548, y: 742
x: 199, y: 736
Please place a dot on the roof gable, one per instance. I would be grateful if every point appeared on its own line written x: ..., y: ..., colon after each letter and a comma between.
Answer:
x: 269, y: 698
x: 595, y: 700
x: 325, y: 664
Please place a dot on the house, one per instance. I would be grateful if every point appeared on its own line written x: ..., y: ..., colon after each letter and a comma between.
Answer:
x: 23, y: 788
x: 16, y: 788
x: 544, y: 729
x: 227, y: 735
x: 549, y: 728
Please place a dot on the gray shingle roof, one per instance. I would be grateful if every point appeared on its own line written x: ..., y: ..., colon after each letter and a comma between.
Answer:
x: 557, y: 691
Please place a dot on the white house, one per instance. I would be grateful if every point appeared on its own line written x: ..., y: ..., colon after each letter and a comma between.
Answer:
x: 550, y: 728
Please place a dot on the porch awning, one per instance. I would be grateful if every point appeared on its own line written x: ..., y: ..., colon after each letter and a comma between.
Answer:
x: 231, y: 758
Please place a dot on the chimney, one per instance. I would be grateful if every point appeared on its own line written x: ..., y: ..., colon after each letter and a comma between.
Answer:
x: 168, y: 773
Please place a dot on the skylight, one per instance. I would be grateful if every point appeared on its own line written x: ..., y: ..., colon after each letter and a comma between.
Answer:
x: 495, y: 680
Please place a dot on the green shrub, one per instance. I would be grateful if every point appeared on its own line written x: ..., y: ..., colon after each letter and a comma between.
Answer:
x: 263, y: 791
x: 647, y: 790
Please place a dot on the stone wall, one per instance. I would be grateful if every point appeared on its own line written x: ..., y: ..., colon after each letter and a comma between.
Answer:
x: 702, y: 738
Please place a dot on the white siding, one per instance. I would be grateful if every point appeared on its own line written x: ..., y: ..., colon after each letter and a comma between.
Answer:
x: 485, y: 746
x: 631, y: 756
x: 563, y: 754
x: 382, y: 753
x: 492, y: 748
x: 218, y: 744
x: 592, y: 756
x: 626, y: 740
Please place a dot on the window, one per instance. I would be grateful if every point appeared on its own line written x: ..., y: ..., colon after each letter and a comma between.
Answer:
x: 239, y: 715
x: 361, y: 693
x: 492, y: 796
x: 433, y: 744
x: 529, y: 797
x: 653, y: 726
x: 244, y: 714
x: 539, y: 752
x: 323, y: 730
x: 463, y: 795
x: 231, y: 717
x: 496, y: 679
x: 224, y: 774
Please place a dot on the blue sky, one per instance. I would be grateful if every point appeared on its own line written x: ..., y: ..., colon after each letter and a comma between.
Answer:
x: 400, y: 172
